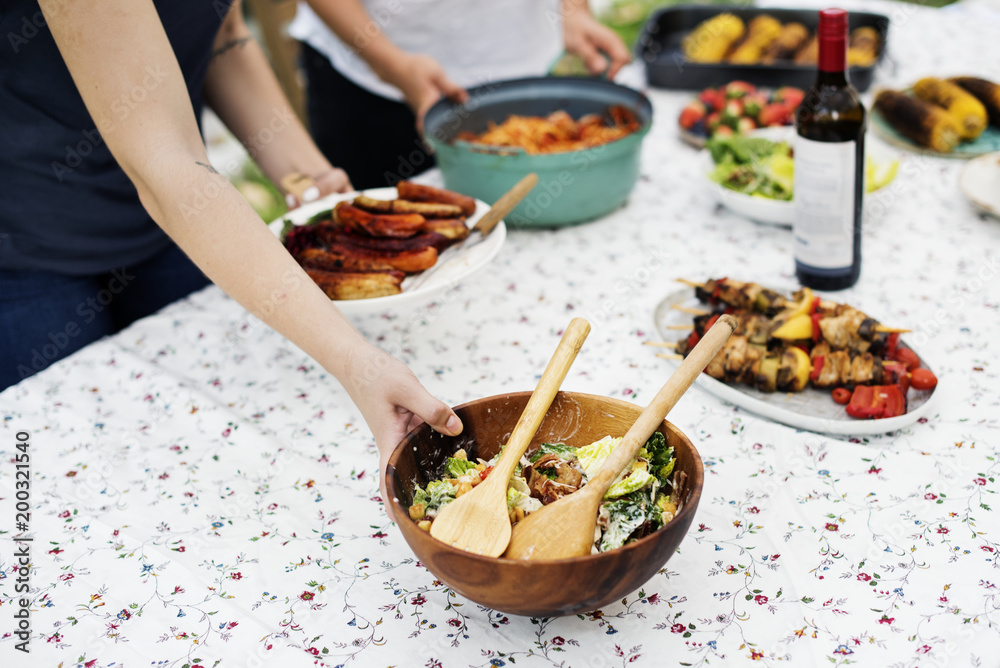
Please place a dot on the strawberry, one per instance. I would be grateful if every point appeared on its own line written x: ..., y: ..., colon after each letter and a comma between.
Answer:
x: 712, y: 121
x: 691, y: 114
x: 737, y: 89
x: 752, y: 104
x: 775, y: 113
x: 723, y: 131
x: 731, y: 112
x: 791, y: 97
x: 745, y: 125
x: 712, y: 98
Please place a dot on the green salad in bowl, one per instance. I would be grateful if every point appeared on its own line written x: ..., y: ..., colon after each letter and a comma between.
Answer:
x: 754, y: 175
x: 643, y: 498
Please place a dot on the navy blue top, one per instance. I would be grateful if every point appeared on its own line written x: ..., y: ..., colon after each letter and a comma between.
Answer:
x: 65, y: 204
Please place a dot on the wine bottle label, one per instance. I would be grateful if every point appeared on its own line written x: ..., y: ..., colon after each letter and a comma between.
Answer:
x: 824, y: 192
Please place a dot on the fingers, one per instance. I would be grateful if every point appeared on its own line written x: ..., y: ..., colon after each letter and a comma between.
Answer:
x: 609, y: 42
x: 450, y: 89
x: 334, y: 181
x: 433, y: 411
x: 593, y: 60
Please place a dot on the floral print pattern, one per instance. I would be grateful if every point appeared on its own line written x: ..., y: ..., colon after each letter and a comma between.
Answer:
x: 206, y: 495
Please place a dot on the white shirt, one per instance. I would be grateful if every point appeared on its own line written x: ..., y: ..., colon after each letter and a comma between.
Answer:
x: 475, y: 41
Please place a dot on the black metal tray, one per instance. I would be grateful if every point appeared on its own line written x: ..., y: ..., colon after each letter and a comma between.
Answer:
x: 659, y: 47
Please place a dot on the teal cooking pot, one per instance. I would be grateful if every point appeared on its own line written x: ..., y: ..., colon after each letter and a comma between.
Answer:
x: 573, y: 187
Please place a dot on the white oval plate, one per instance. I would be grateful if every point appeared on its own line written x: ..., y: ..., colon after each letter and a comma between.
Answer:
x: 457, y: 268
x: 763, y: 209
x: 811, y: 409
x: 980, y: 182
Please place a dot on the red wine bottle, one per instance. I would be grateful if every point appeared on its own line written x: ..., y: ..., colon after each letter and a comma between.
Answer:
x: 829, y: 167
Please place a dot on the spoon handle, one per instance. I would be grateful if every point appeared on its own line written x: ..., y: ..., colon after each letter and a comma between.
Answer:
x: 541, y: 399
x: 506, y: 204
x: 678, y: 383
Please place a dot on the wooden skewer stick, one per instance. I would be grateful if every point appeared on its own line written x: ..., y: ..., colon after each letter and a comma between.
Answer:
x: 891, y: 330
x: 670, y: 356
x: 661, y: 344
x: 682, y: 327
x: 693, y: 284
x: 688, y: 309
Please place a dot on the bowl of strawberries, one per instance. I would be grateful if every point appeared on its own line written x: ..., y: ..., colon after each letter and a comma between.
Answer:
x: 737, y: 108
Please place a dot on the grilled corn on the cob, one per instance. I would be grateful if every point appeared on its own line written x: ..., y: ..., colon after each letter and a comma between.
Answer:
x: 924, y: 123
x: 793, y: 36
x: 761, y: 33
x: 962, y: 105
x: 711, y: 40
x: 809, y: 53
x: 987, y: 92
x: 863, y: 47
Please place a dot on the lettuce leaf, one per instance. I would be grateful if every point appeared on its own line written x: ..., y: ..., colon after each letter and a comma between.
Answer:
x: 438, y: 493
x: 638, y: 479
x: 627, y: 514
x: 660, y: 456
x: 562, y: 450
x: 455, y: 467
x: 592, y: 456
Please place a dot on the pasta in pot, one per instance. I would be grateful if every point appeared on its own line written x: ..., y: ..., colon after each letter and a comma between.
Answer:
x: 557, y: 132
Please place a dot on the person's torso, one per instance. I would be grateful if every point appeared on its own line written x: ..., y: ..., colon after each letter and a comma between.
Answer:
x: 474, y: 40
x: 65, y: 204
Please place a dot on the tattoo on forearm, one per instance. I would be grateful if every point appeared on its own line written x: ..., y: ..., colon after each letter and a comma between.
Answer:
x: 208, y: 167
x: 232, y: 44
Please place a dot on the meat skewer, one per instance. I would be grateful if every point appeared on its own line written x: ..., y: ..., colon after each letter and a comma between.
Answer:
x: 789, y: 344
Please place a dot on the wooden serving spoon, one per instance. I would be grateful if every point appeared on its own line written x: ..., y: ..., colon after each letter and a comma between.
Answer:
x: 565, y: 528
x: 478, y: 521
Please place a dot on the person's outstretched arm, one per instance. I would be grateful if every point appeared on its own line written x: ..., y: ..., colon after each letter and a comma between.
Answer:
x: 242, y: 90
x: 420, y: 78
x: 108, y: 46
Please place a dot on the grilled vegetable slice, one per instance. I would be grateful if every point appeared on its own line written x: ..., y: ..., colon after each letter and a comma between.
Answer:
x: 419, y: 193
x: 711, y: 39
x: 378, y: 225
x: 962, y: 105
x: 452, y: 228
x: 761, y: 33
x: 357, y: 258
x: 357, y: 285
x: 426, y: 209
x: 985, y: 91
x: 922, y: 122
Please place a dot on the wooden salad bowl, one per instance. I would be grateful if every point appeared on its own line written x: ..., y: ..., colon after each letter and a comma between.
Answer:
x: 539, y: 588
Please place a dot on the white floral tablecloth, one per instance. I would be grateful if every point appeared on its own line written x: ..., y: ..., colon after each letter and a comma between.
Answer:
x: 205, y: 494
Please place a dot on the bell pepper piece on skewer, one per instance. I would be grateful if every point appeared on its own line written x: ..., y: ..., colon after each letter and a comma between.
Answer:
x: 817, y: 367
x: 817, y: 333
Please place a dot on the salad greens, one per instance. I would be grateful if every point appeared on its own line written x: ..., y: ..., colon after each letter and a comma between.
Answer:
x: 753, y: 166
x: 640, y: 501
